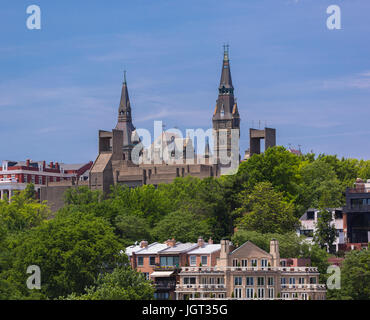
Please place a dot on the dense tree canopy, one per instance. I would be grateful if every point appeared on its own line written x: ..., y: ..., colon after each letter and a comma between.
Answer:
x: 355, y: 277
x: 265, y: 210
x: 263, y: 200
x: 122, y: 284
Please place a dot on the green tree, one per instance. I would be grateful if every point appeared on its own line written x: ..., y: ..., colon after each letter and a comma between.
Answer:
x: 325, y: 233
x: 364, y: 169
x: 319, y: 184
x: 82, y: 196
x: 132, y: 228
x: 182, y: 225
x: 355, y: 277
x: 265, y: 210
x: 122, y: 284
x: 276, y: 165
x: 23, y: 212
x: 70, y: 250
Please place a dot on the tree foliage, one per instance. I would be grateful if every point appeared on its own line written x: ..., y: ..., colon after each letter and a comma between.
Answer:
x: 122, y: 284
x: 265, y: 210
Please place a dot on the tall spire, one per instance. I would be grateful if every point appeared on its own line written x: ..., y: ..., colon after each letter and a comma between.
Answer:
x: 225, y: 101
x: 124, y: 114
x: 226, y: 114
x: 225, y: 73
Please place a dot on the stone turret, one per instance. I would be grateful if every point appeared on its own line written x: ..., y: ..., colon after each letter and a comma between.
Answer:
x: 224, y: 253
x: 274, y: 251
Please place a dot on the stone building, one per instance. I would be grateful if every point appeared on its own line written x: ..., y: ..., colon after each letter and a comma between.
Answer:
x: 204, y: 270
x: 122, y: 158
x: 248, y: 272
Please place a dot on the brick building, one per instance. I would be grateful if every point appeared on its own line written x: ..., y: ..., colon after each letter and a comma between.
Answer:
x: 248, y: 272
x: 205, y: 270
x: 15, y: 175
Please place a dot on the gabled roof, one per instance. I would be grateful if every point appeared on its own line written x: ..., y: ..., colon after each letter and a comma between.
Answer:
x: 252, y: 246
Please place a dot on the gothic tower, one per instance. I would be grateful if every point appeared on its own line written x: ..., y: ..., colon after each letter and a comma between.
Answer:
x: 226, y: 115
x: 125, y: 122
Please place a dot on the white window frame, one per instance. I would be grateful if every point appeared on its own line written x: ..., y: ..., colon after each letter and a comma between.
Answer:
x: 140, y: 265
x: 238, y: 277
x: 191, y: 260
x: 261, y: 293
x: 271, y: 293
x: 201, y: 260
x: 150, y: 259
x: 270, y: 283
x: 246, y: 281
x: 238, y: 293
x: 249, y: 293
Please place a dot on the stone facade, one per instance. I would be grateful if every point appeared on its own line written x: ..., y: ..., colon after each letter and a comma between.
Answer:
x: 248, y: 272
x: 116, y: 163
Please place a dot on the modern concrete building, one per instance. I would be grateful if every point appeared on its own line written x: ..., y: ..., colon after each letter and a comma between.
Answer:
x: 356, y: 216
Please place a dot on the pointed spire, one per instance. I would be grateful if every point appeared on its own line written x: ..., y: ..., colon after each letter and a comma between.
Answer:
x: 225, y: 101
x: 226, y: 81
x: 124, y: 114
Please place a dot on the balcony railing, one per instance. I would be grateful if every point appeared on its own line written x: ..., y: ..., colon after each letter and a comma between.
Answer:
x: 222, y: 269
x: 166, y: 268
x: 164, y: 285
x: 303, y: 286
x: 7, y: 180
x: 201, y: 287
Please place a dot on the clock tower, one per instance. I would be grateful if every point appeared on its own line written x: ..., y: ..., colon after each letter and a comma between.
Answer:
x: 225, y: 117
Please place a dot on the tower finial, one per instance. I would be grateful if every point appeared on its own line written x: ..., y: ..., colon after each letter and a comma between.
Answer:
x: 226, y: 51
x: 124, y: 76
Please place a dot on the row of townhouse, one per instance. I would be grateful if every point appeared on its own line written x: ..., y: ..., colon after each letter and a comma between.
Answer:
x: 205, y: 270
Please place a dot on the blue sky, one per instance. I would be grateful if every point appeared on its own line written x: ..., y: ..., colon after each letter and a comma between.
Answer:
x: 61, y: 84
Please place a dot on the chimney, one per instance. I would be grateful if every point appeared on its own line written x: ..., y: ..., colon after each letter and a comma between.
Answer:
x: 171, y: 243
x: 51, y: 164
x: 224, y: 254
x: 210, y: 241
x: 27, y: 162
x: 200, y: 242
x: 143, y: 244
x: 57, y: 165
x: 43, y: 164
x: 274, y: 251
